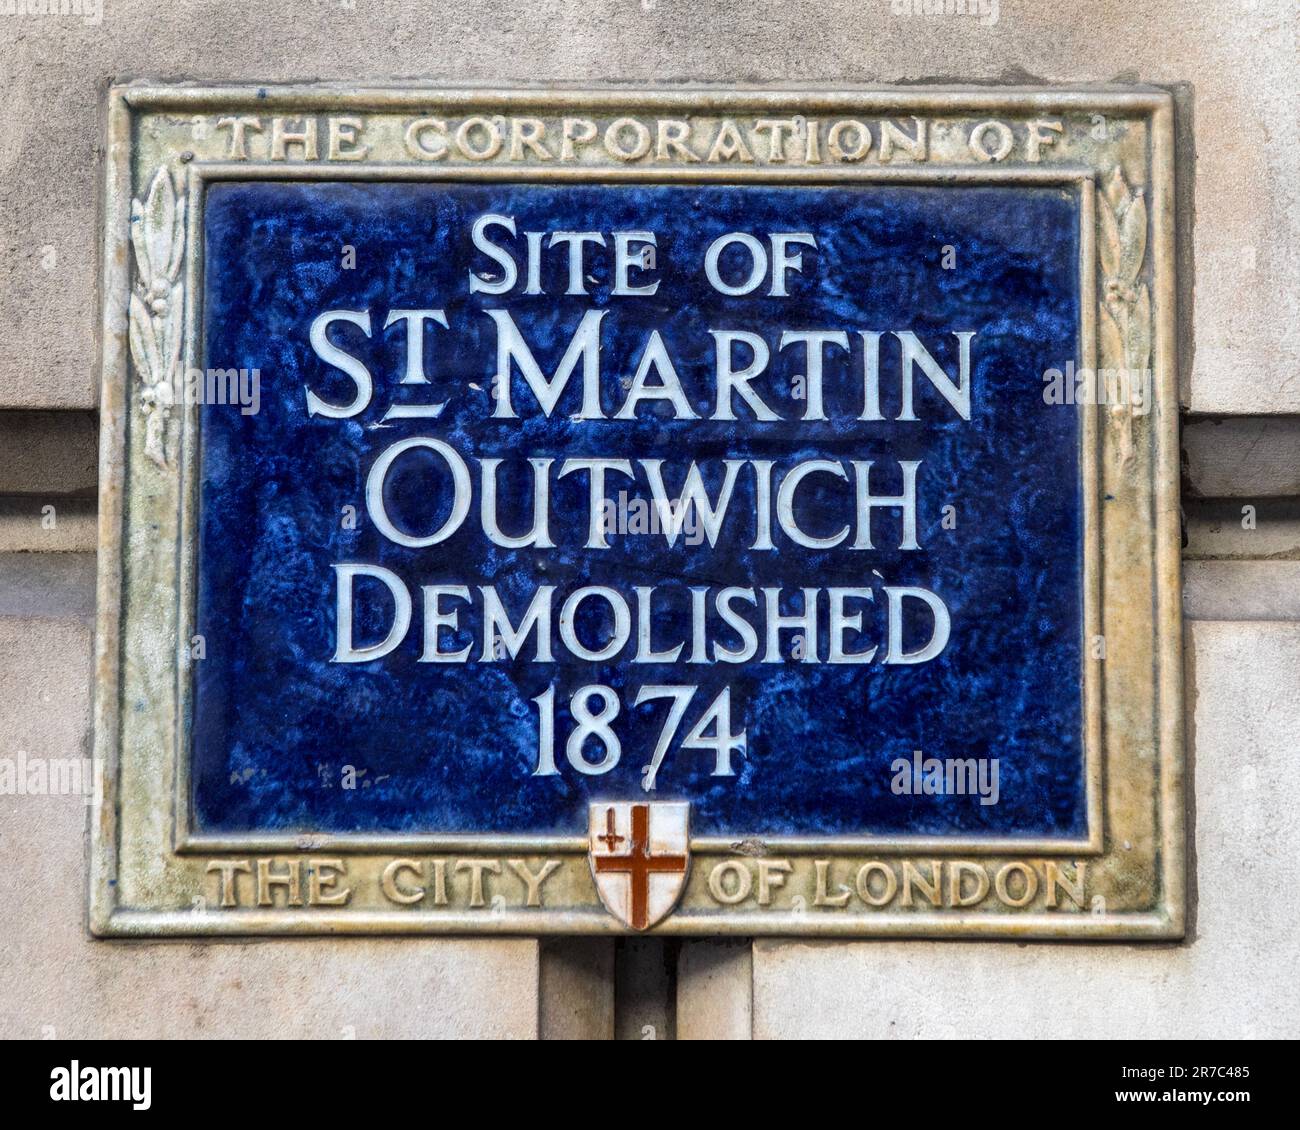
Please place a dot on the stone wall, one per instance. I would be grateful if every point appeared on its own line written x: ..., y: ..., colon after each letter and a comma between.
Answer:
x: 1232, y: 66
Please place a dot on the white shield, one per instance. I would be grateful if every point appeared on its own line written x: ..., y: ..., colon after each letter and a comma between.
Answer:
x: 640, y: 856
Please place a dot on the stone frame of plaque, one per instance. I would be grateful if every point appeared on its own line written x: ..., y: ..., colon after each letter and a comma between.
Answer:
x: 153, y: 874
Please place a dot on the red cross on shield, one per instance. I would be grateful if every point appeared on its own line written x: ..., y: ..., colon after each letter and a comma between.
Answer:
x: 640, y: 856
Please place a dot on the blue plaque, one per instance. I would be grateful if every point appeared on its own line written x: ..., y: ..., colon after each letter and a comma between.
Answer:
x: 808, y: 635
x: 722, y: 512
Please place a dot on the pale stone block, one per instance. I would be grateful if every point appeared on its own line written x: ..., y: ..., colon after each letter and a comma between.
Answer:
x: 41, y: 526
x: 1235, y: 975
x: 1237, y: 61
x: 576, y: 990
x: 1241, y: 590
x: 49, y: 453
x: 55, y: 980
x: 47, y: 585
x: 1238, y: 529
x: 1244, y: 458
x: 715, y: 991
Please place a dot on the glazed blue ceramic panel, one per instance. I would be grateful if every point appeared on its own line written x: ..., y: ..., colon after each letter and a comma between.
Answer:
x: 457, y: 746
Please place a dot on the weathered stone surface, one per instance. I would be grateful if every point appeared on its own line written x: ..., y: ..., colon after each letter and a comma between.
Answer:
x: 715, y: 992
x: 1234, y: 977
x: 49, y: 453
x: 55, y: 980
x: 1240, y: 529
x: 1244, y: 458
x: 56, y: 524
x: 1238, y: 67
x: 576, y: 989
x: 53, y: 586
x: 1241, y: 590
